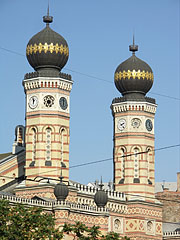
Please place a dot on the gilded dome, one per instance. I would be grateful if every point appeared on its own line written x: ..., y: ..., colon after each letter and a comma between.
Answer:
x: 47, y: 49
x: 133, y: 76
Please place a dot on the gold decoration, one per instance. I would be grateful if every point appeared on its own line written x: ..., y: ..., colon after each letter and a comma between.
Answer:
x: 33, y: 49
x: 134, y: 74
x: 46, y: 47
x: 40, y: 47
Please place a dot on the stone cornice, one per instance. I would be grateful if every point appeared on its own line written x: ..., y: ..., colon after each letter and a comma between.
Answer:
x: 47, y: 82
x: 133, y: 106
x: 56, y: 205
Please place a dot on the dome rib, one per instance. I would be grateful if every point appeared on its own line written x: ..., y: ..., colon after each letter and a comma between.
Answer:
x: 133, y: 76
x: 47, y: 50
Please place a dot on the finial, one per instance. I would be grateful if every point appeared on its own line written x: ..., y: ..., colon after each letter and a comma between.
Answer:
x: 47, y: 19
x: 48, y: 10
x: 101, y: 184
x: 61, y: 177
x: 133, y: 48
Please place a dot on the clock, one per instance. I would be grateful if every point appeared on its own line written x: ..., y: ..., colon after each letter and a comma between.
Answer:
x: 135, y: 122
x: 63, y: 103
x: 121, y: 124
x: 48, y: 101
x: 149, y: 125
x: 33, y: 102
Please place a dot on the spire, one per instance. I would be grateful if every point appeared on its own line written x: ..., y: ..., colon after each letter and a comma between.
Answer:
x: 61, y: 177
x: 133, y: 48
x: 47, y: 19
x: 101, y: 184
x: 48, y: 10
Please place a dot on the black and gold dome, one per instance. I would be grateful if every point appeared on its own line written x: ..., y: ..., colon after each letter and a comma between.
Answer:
x: 133, y: 77
x: 47, y: 50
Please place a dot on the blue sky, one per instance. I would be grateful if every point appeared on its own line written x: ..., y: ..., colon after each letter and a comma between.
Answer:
x: 98, y: 34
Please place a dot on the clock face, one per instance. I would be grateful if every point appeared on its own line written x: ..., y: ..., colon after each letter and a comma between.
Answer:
x: 48, y: 101
x: 63, y: 103
x: 121, y: 124
x: 136, y: 122
x: 33, y: 102
x: 149, y: 125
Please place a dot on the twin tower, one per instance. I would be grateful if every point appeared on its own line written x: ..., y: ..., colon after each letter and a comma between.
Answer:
x: 48, y: 112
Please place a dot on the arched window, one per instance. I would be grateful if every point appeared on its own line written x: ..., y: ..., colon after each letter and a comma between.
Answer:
x: 149, y: 158
x: 62, y: 146
x: 33, y: 145
x: 121, y: 165
x: 48, y: 147
x: 136, y: 165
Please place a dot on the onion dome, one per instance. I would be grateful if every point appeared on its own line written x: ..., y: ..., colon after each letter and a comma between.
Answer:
x: 61, y: 190
x: 47, y: 50
x: 133, y: 77
x: 101, y: 197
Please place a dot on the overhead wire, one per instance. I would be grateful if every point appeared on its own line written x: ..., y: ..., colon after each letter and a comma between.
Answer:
x: 126, y: 194
x: 91, y: 76
x: 104, y: 160
x: 128, y: 155
x: 108, y: 159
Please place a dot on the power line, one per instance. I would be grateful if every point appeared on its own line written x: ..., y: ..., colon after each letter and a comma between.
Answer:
x: 89, y: 163
x: 109, y: 159
x: 91, y: 76
x: 127, y: 194
x: 8, y: 50
x: 127, y: 155
x: 162, y: 95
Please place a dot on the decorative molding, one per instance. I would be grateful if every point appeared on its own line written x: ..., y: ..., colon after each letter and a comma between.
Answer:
x: 172, y: 234
x: 134, y: 74
x: 41, y: 74
x: 55, y: 205
x: 46, y: 82
x: 38, y: 48
x: 118, y: 225
x: 133, y: 106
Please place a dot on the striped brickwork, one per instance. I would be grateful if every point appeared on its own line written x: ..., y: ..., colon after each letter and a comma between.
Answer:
x: 134, y: 170
x: 135, y: 219
x: 11, y: 168
x: 47, y: 128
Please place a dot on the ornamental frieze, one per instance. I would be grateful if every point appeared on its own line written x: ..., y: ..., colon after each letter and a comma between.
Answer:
x: 33, y: 49
x: 134, y: 74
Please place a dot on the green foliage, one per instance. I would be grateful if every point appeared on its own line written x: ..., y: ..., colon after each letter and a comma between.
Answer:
x: 82, y: 232
x: 20, y: 223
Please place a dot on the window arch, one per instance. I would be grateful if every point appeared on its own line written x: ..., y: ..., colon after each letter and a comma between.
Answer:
x: 149, y: 158
x: 34, y: 144
x: 48, y: 146
x: 122, y: 152
x: 62, y: 140
x: 136, y: 164
x: 120, y: 164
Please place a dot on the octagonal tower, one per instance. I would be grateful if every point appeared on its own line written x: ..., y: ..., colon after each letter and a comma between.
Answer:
x: 133, y: 116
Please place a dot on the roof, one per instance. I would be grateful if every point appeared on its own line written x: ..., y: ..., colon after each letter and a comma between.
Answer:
x: 42, y: 199
x: 172, y: 186
x: 170, y: 227
x: 4, y: 155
